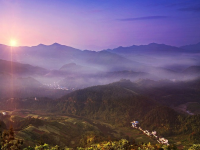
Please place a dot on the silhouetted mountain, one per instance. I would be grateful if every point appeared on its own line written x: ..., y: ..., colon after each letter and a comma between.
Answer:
x: 193, y: 48
x: 20, y: 69
x: 192, y: 70
x: 158, y: 55
x: 56, y: 55
x: 151, y: 49
x: 153, y: 61
x: 9, y: 78
x: 12, y: 86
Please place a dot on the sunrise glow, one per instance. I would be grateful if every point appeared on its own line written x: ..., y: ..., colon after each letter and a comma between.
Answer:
x: 13, y: 43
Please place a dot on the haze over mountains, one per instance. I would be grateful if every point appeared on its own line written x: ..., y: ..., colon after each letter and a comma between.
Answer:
x: 73, y: 68
x: 153, y: 103
x: 156, y: 84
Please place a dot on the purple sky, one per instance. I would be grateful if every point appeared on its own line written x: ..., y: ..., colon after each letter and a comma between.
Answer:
x: 100, y: 24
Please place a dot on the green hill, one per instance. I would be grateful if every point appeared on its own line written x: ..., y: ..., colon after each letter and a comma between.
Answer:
x: 113, y: 103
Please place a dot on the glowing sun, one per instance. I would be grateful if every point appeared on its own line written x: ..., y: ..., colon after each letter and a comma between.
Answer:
x: 13, y: 43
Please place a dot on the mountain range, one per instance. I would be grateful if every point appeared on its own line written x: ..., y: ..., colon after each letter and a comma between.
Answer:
x: 74, y: 68
x: 152, y: 103
x: 58, y: 55
x: 156, y: 84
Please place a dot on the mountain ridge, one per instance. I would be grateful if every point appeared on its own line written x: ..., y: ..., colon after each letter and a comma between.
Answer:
x: 150, y: 44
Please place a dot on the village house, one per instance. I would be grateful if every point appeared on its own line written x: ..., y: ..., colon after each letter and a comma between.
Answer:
x: 135, y: 124
x: 163, y: 141
x: 4, y: 113
x: 140, y: 128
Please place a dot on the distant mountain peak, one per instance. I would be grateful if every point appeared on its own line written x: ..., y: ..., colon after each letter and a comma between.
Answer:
x: 156, y: 44
x: 153, y: 43
x: 55, y: 44
x: 192, y: 44
x: 194, y: 48
x: 41, y: 45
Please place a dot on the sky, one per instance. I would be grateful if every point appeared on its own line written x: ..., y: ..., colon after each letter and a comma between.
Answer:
x: 99, y: 24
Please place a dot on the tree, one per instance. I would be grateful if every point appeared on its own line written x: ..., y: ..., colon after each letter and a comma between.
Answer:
x: 195, y: 147
x: 8, y: 141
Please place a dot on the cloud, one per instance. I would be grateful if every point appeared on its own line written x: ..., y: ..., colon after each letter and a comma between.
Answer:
x: 143, y: 18
x: 191, y: 9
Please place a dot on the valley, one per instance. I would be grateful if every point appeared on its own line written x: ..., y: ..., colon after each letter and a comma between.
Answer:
x: 78, y: 98
x: 99, y: 75
x: 51, y: 127
x: 104, y: 112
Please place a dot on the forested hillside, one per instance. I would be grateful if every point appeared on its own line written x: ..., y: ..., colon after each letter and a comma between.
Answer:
x: 118, y: 104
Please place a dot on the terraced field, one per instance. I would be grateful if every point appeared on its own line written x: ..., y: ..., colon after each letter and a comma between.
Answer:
x: 37, y: 127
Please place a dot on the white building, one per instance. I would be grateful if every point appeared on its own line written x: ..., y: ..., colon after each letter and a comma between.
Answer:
x: 135, y: 124
x: 163, y: 141
x: 4, y: 113
x: 153, y: 132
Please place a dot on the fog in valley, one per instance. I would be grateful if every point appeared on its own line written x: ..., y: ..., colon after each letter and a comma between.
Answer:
x: 65, y: 68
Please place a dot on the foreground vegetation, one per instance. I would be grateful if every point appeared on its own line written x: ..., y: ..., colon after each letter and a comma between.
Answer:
x: 102, y: 113
x: 113, y: 145
x: 76, y: 134
x: 9, y: 142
